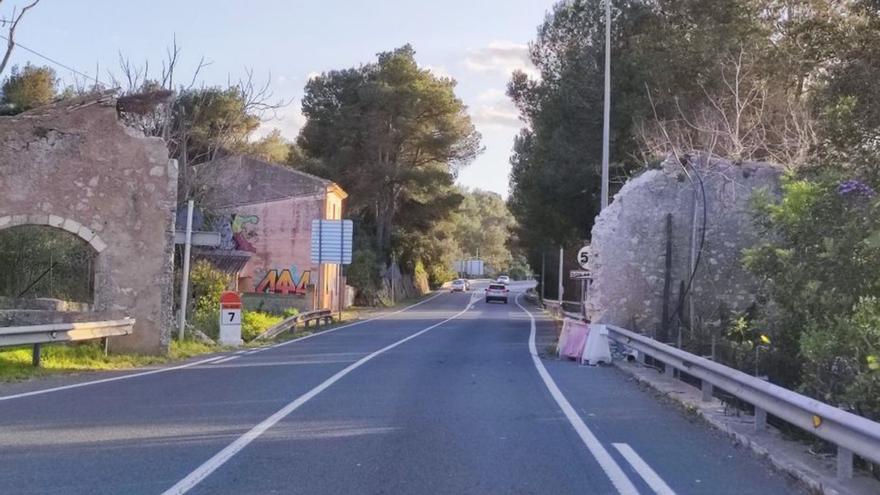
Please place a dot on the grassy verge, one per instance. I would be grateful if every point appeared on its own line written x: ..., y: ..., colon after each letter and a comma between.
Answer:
x: 15, y: 363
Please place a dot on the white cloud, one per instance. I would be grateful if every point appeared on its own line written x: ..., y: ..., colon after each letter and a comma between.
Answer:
x: 289, y: 120
x: 495, y: 110
x: 501, y: 57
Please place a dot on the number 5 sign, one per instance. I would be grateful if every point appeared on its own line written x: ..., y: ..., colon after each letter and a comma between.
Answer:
x: 230, y: 318
x: 584, y: 256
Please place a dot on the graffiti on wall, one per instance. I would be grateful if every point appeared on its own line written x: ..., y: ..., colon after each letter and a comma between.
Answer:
x: 284, y: 282
x: 234, y: 233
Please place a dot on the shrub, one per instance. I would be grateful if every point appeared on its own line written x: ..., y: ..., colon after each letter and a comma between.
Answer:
x: 253, y: 323
x: 207, y: 285
x: 840, y: 360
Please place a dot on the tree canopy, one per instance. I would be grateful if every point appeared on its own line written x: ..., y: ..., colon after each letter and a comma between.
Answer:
x: 28, y: 87
x: 393, y: 135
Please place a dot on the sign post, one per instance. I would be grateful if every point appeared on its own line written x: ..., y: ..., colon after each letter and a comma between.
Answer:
x: 230, y: 318
x: 583, y: 259
x: 331, y: 243
x: 190, y: 238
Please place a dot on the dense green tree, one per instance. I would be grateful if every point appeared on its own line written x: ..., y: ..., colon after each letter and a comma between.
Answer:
x: 394, y: 136
x: 272, y: 147
x: 482, y: 227
x: 28, y: 87
x: 671, y: 49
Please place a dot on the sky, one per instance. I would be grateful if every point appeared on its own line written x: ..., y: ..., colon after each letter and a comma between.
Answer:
x: 477, y: 42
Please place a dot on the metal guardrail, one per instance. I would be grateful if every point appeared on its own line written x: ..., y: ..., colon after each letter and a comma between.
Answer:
x: 849, y: 432
x: 288, y: 324
x: 37, y: 335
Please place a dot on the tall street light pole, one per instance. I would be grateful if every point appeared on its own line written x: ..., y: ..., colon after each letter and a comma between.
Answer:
x: 607, y: 108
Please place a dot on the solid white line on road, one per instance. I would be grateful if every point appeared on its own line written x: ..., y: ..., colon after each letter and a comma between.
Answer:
x: 649, y: 475
x: 613, y: 470
x: 226, y: 360
x: 196, y: 363
x: 360, y: 322
x: 220, y: 458
x: 106, y: 380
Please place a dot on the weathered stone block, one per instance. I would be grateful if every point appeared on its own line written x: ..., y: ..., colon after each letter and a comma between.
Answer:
x: 97, y: 244
x: 55, y: 221
x: 71, y: 226
x: 86, y: 233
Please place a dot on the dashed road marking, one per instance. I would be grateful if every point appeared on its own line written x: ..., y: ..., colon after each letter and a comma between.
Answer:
x: 649, y: 475
x: 613, y: 470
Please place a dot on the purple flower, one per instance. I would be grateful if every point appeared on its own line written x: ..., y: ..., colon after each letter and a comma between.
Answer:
x: 853, y: 187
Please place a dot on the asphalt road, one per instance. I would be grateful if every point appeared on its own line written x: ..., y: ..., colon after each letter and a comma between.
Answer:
x: 443, y: 397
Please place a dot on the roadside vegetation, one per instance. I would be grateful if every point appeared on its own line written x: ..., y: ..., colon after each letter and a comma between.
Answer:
x: 792, y: 83
x: 15, y: 363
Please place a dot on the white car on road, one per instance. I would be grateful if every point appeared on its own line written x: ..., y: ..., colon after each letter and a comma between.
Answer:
x: 503, y: 279
x: 497, y: 292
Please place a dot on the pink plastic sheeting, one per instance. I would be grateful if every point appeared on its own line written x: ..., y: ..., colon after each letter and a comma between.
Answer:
x: 572, y: 339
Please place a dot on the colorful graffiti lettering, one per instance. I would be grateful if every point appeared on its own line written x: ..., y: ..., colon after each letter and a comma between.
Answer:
x: 285, y: 282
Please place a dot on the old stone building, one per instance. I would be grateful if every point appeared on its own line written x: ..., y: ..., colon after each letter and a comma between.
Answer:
x: 266, y: 210
x: 74, y: 167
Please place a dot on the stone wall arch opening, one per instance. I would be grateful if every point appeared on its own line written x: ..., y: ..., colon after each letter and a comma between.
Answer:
x: 43, y: 261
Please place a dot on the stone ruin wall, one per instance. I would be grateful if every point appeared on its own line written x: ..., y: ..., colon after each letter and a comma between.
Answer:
x: 628, y: 249
x: 74, y: 166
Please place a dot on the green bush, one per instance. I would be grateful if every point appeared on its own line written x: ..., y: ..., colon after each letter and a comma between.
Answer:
x: 253, y: 323
x: 840, y: 360
x: 820, y: 267
x: 287, y: 313
x: 207, y: 285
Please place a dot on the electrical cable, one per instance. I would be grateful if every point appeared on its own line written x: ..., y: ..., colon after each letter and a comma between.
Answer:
x: 53, y: 61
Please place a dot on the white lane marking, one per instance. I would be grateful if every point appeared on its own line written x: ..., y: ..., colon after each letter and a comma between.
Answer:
x: 220, y: 458
x: 204, y: 361
x: 649, y: 475
x: 225, y: 360
x: 106, y: 380
x: 360, y: 322
x: 600, y: 453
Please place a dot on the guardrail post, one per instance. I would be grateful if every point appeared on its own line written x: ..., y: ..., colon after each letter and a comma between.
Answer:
x: 668, y: 370
x: 760, y: 419
x: 37, y: 357
x: 844, y: 463
x: 707, y: 390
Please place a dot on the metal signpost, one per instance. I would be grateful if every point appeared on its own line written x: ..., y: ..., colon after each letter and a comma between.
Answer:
x: 189, y: 238
x: 583, y: 259
x: 331, y: 243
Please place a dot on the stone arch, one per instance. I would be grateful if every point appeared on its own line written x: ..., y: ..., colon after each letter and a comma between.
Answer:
x: 68, y: 224
x: 74, y: 165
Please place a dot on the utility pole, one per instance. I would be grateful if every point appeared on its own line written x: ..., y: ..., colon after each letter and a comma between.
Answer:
x: 184, y: 285
x: 607, y: 108
x: 561, y: 254
x: 543, y: 270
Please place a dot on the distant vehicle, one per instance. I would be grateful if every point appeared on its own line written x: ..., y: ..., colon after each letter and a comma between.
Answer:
x: 497, y: 292
x: 503, y: 279
x: 467, y: 284
x: 459, y: 285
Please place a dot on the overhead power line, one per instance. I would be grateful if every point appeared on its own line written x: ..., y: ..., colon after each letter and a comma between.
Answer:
x: 55, y: 62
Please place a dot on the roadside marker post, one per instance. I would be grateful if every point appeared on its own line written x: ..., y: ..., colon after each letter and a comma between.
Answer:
x: 230, y: 318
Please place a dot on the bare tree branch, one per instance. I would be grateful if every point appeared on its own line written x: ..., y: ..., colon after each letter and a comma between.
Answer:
x: 10, y: 37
